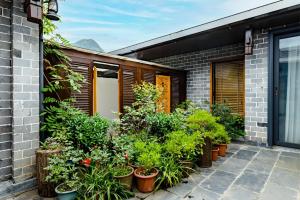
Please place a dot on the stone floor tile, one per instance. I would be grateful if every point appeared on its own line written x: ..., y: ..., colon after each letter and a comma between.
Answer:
x: 206, y: 171
x: 233, y: 148
x: 162, y: 195
x: 182, y: 189
x: 266, y: 154
x: 290, y: 154
x: 251, y: 180
x: 290, y: 163
x: 239, y: 193
x: 252, y: 148
x: 261, y: 165
x: 218, y: 182
x: 274, y: 191
x: 244, y: 154
x: 286, y: 178
x: 233, y: 165
x: 141, y: 195
x: 200, y: 193
x: 196, y: 178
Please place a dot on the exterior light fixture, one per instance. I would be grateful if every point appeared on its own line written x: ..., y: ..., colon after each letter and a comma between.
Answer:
x: 248, y: 42
x: 34, y: 9
x: 52, y: 10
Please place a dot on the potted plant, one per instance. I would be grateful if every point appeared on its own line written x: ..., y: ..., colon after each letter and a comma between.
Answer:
x: 221, y: 139
x: 148, y: 158
x: 214, y: 153
x: 64, y: 172
x: 47, y: 149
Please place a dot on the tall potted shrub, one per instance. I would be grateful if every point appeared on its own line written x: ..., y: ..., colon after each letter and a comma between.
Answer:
x: 148, y: 156
x: 221, y: 139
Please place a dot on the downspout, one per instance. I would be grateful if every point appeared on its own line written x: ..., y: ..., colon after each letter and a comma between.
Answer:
x: 41, y: 77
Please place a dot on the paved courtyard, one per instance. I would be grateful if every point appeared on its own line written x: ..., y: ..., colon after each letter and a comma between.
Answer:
x: 246, y: 173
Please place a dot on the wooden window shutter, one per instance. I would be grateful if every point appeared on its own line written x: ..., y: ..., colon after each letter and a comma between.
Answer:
x: 84, y: 99
x: 229, y: 85
x: 128, y: 80
x: 148, y: 76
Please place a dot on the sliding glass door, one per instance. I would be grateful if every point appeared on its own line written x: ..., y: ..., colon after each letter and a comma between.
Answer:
x: 287, y: 89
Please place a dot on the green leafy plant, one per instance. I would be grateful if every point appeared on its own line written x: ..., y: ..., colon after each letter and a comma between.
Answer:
x: 234, y: 123
x: 183, y: 146
x: 170, y: 173
x: 220, y: 136
x: 121, y: 170
x: 63, y: 169
x: 148, y: 155
x: 161, y: 123
x: 99, y: 184
x: 133, y: 120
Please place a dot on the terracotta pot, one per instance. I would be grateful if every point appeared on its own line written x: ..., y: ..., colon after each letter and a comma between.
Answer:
x: 214, y: 154
x: 187, y: 167
x: 126, y: 180
x: 145, y: 183
x: 222, y: 149
x: 205, y: 159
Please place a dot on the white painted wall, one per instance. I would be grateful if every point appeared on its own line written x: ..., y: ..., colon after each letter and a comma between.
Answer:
x: 107, y: 97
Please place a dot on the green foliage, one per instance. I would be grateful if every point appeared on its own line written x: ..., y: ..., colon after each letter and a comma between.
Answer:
x: 161, y: 123
x: 183, y: 146
x: 234, y: 123
x: 51, y: 144
x: 187, y: 108
x: 121, y: 170
x: 148, y: 154
x: 63, y: 168
x: 88, y: 131
x: 220, y: 136
x: 99, y: 184
x: 100, y: 156
x: 170, y: 173
x: 202, y: 120
x: 133, y: 120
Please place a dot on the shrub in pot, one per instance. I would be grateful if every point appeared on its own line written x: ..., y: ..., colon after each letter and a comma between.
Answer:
x: 148, y: 157
x: 64, y: 172
x: 221, y: 139
x: 215, y: 153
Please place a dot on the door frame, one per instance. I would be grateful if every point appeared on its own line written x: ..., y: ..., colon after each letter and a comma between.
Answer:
x: 272, y: 129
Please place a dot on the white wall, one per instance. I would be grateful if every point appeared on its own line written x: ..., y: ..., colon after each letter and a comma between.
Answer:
x: 107, y: 97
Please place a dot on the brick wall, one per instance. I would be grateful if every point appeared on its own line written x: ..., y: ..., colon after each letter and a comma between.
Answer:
x: 5, y: 92
x: 19, y: 103
x: 198, y: 80
x: 198, y: 66
x: 256, y: 96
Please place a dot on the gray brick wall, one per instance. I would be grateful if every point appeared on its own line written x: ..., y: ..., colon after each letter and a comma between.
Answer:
x: 198, y: 80
x: 198, y: 66
x: 19, y: 92
x: 5, y: 92
x: 256, y: 96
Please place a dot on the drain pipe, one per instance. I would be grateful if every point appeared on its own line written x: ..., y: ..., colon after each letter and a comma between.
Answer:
x: 41, y: 77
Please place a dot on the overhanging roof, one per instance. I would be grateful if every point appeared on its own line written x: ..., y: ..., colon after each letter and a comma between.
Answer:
x: 242, y: 17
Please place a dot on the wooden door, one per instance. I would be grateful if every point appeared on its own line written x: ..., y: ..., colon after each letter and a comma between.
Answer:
x: 164, y: 84
x: 229, y: 85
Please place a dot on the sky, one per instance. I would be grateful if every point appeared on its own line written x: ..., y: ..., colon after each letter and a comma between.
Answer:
x: 115, y: 24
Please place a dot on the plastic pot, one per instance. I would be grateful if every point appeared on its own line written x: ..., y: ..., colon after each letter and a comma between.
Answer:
x: 214, y: 154
x: 68, y: 195
x: 126, y: 180
x: 222, y: 149
x: 145, y: 184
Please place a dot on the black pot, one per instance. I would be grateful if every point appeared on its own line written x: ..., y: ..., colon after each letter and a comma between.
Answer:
x: 205, y: 160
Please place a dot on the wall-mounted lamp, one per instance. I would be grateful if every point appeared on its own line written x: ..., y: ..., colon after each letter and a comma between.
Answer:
x: 52, y: 10
x: 34, y: 10
x: 248, y: 42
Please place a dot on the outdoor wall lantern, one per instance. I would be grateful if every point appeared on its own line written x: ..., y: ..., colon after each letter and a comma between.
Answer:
x: 34, y: 10
x: 248, y: 42
x: 52, y: 10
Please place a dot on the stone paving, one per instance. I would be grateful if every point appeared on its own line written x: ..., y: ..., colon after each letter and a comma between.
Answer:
x: 246, y: 173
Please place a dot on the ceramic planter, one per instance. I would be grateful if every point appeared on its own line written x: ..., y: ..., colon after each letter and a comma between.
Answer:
x: 127, y: 179
x: 215, y: 153
x: 205, y: 159
x: 222, y: 149
x: 68, y: 195
x: 145, y: 184
x: 187, y: 167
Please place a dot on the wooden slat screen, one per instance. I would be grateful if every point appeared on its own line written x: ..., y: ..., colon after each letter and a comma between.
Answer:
x: 84, y: 99
x: 148, y: 76
x: 129, y: 78
x: 229, y: 85
x: 175, y: 95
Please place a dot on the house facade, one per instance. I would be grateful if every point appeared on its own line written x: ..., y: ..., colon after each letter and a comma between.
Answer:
x: 249, y: 61
x: 19, y: 97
